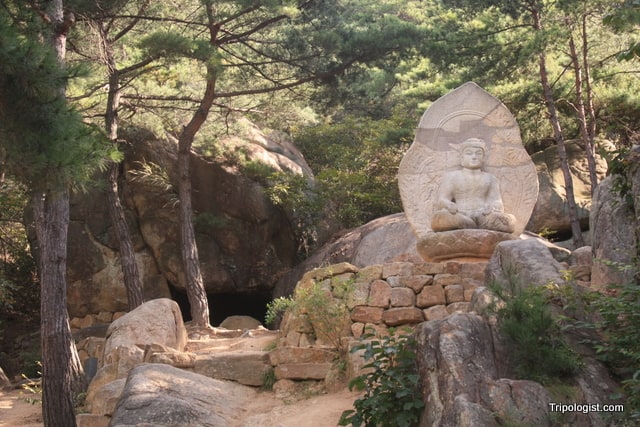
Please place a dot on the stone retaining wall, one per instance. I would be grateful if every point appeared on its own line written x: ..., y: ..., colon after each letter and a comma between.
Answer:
x: 388, y: 295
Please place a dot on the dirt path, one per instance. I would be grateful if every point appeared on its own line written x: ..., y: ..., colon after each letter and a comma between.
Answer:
x: 265, y: 411
x: 15, y: 410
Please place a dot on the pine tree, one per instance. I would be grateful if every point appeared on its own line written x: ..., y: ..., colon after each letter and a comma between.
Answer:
x: 48, y: 148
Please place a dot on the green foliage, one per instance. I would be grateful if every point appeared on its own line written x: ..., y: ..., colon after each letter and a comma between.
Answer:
x: 268, y: 380
x: 156, y: 177
x: 356, y: 163
x: 45, y: 140
x: 392, y: 395
x: 19, y: 289
x: 625, y: 17
x: 324, y: 304
x: 538, y: 351
x: 277, y: 307
x: 618, y: 168
x: 619, y: 325
x: 206, y: 222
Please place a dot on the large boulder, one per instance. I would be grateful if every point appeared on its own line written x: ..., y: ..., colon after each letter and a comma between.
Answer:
x: 245, y: 242
x: 460, y: 374
x: 161, y: 395
x: 154, y: 322
x: 550, y: 213
x: 383, y: 240
x: 518, y: 263
x: 614, y: 244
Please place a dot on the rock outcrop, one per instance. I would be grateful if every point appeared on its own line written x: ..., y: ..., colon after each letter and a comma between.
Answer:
x: 245, y: 242
x: 614, y: 223
x: 550, y: 213
x: 461, y: 383
x: 383, y: 240
x: 465, y: 366
x: 161, y: 395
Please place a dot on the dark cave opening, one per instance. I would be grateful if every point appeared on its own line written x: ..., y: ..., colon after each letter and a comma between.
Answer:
x: 222, y: 306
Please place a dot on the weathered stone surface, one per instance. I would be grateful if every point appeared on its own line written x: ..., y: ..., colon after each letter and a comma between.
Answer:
x: 287, y: 355
x: 161, y: 395
x: 466, y: 112
x: 457, y: 363
x: 249, y: 252
x: 611, y: 220
x: 550, y: 211
x: 446, y: 279
x: 104, y: 399
x: 436, y: 312
x: 458, y: 307
x: 245, y: 367
x: 156, y: 353
x: 92, y: 420
x: 397, y: 269
x: 370, y: 273
x: 240, y: 322
x: 523, y: 262
x: 454, y: 293
x: 383, y: 240
x: 402, y: 316
x: 302, y: 371
x: 359, y: 294
x: 402, y: 297
x: 431, y: 295
x: 429, y: 268
x: 459, y: 244
x: 379, y: 294
x: 366, y: 314
x: 154, y: 322
x: 416, y: 283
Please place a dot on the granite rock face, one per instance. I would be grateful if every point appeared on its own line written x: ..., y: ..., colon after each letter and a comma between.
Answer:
x: 551, y: 210
x: 245, y: 242
x: 161, y: 395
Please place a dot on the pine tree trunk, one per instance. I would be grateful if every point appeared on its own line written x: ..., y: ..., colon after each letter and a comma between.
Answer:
x: 130, y: 272
x: 196, y: 292
x: 62, y: 375
x: 587, y: 140
x: 576, y: 230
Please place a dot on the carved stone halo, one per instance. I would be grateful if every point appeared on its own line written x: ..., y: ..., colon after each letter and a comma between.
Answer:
x: 466, y: 112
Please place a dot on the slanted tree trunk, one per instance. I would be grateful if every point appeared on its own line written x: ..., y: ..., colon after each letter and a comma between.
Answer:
x: 130, y: 272
x: 585, y: 135
x: 196, y: 292
x: 576, y: 230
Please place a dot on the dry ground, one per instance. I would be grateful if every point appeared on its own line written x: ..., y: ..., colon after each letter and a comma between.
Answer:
x: 265, y: 411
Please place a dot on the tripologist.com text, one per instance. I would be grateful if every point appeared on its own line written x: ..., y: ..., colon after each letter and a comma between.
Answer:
x: 585, y: 408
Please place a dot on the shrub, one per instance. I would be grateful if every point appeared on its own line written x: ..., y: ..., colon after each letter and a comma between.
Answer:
x: 538, y: 351
x: 620, y: 348
x: 392, y: 395
x: 324, y: 304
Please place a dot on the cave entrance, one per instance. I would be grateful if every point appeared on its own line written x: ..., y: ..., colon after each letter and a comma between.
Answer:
x: 222, y: 306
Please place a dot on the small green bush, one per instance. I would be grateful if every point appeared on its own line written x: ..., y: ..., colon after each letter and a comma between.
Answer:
x: 324, y: 304
x: 620, y: 348
x: 392, y: 395
x: 538, y: 351
x: 277, y: 307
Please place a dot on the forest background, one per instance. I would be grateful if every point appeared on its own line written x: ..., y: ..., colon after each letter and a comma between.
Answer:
x: 347, y: 80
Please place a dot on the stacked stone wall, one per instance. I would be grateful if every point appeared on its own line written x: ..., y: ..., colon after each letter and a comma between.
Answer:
x: 389, y: 295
